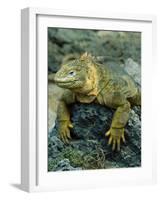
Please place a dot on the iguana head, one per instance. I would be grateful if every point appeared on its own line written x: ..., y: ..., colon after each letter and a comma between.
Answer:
x: 76, y: 74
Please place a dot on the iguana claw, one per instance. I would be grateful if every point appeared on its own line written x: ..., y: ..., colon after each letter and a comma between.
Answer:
x: 115, y: 136
x: 64, y: 130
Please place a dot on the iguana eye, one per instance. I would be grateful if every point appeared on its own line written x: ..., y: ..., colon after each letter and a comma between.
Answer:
x: 71, y: 73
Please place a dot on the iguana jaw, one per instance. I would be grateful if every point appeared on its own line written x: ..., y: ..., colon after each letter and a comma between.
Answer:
x: 68, y: 83
x: 65, y: 84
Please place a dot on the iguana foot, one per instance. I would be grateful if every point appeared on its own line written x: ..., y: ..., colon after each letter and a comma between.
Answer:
x: 115, y: 136
x: 64, y: 130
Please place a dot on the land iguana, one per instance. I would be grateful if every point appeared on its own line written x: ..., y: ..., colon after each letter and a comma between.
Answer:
x: 87, y: 81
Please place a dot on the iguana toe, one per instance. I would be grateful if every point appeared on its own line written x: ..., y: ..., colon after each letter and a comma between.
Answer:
x: 115, y: 136
x: 64, y: 131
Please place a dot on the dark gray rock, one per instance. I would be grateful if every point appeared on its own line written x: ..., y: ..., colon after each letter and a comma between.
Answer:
x: 88, y: 148
x: 64, y: 165
x: 87, y: 123
x: 55, y: 145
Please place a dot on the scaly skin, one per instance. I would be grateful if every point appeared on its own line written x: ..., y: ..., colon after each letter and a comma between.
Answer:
x: 87, y: 81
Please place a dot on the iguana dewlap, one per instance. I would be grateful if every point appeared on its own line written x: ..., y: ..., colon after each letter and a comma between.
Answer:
x: 87, y: 81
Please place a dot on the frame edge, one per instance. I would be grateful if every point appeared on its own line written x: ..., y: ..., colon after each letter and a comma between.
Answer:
x: 25, y: 99
x: 28, y: 100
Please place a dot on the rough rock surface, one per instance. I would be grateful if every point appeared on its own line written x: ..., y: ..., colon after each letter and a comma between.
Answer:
x: 88, y: 148
x: 133, y: 69
x: 115, y: 47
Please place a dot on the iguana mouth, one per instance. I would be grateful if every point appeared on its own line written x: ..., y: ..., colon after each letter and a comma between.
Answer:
x: 65, y: 82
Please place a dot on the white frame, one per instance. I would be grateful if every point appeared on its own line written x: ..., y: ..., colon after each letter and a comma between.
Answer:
x: 29, y: 108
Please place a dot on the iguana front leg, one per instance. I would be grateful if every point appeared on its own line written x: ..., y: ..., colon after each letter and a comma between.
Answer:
x: 64, y: 122
x: 116, y: 132
x: 63, y: 116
